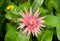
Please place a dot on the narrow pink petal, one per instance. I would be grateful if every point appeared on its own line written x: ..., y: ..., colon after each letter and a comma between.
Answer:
x: 26, y: 11
x: 25, y: 31
x: 30, y: 11
x: 36, y: 34
x: 21, y: 19
x: 36, y: 13
x: 21, y: 26
x: 23, y: 15
x: 41, y: 21
x: 38, y: 29
x: 33, y: 32
x: 29, y: 32
x: 42, y: 17
x: 42, y: 25
x: 18, y: 27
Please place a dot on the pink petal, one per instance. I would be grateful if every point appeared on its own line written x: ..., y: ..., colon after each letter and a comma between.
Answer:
x: 25, y: 31
x: 20, y: 19
x: 42, y: 17
x: 30, y: 11
x: 21, y: 26
x: 29, y: 32
x: 42, y: 25
x: 38, y: 29
x: 41, y: 21
x: 26, y: 11
x: 36, y: 34
x: 23, y: 15
x: 36, y: 13
x: 33, y: 32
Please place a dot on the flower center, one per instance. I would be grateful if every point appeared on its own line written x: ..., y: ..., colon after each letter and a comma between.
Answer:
x: 32, y: 22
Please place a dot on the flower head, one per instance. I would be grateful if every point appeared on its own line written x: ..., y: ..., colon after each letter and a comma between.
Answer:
x: 31, y: 23
x: 10, y: 7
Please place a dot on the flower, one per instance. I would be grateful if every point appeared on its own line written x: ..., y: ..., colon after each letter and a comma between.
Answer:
x: 31, y: 23
x: 10, y: 7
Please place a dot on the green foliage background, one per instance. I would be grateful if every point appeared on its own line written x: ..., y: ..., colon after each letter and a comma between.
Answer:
x: 9, y: 23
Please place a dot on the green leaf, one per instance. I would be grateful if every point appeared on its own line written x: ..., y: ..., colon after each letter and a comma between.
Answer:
x: 14, y: 35
x: 12, y: 14
x: 41, y: 34
x: 52, y: 20
x: 59, y: 5
x: 54, y: 4
x: 1, y: 2
x: 58, y: 32
x: 58, y: 26
x: 58, y: 29
x: 51, y: 3
x: 11, y: 34
x: 22, y: 38
x: 31, y: 2
x: 16, y: 1
x: 26, y: 4
x: 3, y: 6
x: 58, y: 14
x: 47, y: 36
x: 43, y: 11
x: 12, y: 17
x: 9, y: 26
x: 36, y: 4
x: 46, y: 3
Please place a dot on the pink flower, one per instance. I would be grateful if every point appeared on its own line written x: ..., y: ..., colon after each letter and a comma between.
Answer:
x: 31, y: 23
